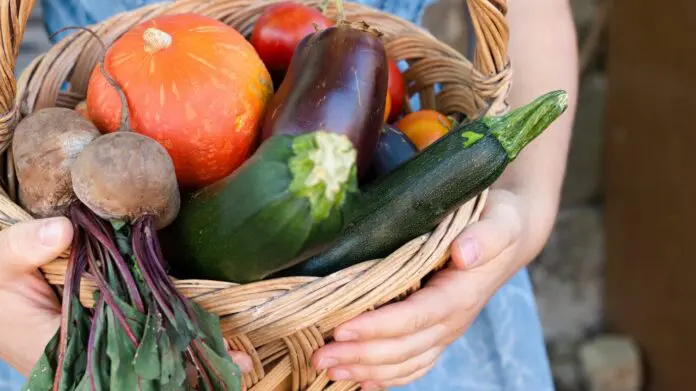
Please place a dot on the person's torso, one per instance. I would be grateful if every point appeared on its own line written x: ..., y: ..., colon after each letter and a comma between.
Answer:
x: 62, y: 13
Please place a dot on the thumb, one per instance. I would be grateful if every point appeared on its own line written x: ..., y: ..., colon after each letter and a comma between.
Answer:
x: 28, y: 245
x: 498, y: 229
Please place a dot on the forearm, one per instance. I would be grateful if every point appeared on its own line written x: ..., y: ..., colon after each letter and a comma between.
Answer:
x: 543, y: 52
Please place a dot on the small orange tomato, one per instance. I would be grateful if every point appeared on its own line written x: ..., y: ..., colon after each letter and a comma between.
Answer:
x: 424, y: 127
x: 387, y: 108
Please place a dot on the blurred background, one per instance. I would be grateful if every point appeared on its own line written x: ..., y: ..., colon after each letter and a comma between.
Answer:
x: 616, y: 282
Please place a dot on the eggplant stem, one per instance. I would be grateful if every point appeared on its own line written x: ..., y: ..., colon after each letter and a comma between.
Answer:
x: 340, y: 12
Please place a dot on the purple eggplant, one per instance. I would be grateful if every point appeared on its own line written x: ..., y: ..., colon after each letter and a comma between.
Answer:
x: 337, y: 82
x: 393, y: 149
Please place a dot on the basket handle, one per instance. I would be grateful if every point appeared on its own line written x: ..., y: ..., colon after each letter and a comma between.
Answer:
x: 13, y: 21
x: 492, y: 35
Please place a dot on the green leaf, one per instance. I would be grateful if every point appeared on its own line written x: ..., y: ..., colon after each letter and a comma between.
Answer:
x: 224, y: 374
x: 75, y: 358
x: 41, y: 377
x: 120, y: 351
x: 134, y: 318
x: 118, y: 224
x: 147, y: 359
x: 84, y: 384
x: 210, y: 329
x: 113, y: 280
x: 185, y: 329
x: 172, y: 362
x: 100, y: 361
x: 123, y: 242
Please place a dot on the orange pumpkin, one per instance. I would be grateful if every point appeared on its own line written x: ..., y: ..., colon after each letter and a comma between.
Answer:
x: 194, y: 84
x: 424, y: 127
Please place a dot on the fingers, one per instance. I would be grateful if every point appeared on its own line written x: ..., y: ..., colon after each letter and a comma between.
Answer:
x: 384, y: 373
x: 380, y: 351
x: 499, y: 229
x: 26, y: 246
x: 414, y: 315
x: 400, y: 382
x: 242, y: 360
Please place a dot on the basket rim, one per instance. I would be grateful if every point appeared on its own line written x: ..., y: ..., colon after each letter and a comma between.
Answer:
x: 52, y: 271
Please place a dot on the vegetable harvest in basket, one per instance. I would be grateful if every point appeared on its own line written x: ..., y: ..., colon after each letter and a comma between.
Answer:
x: 182, y: 141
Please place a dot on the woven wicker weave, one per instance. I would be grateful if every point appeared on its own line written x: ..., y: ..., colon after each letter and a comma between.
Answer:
x: 278, y: 322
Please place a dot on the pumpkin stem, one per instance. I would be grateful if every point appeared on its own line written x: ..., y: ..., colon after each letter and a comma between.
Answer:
x: 156, y: 40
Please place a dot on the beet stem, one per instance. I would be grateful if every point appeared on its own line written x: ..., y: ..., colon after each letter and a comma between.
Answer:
x: 108, y: 296
x: 157, y: 260
x: 125, y: 116
x: 76, y: 266
x: 145, y: 267
x: 197, y: 347
x: 201, y: 370
x: 154, y: 249
x: 92, y: 227
x: 90, y: 341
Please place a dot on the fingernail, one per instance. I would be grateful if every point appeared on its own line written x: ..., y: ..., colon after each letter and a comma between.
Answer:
x: 345, y: 336
x: 326, y: 362
x: 51, y: 232
x: 340, y: 374
x: 469, y: 250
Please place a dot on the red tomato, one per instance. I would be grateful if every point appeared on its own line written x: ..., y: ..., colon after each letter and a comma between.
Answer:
x: 280, y: 28
x: 424, y: 127
x: 397, y: 90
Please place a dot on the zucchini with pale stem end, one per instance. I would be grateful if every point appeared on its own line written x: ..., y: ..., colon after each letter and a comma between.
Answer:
x: 416, y: 196
x: 284, y: 204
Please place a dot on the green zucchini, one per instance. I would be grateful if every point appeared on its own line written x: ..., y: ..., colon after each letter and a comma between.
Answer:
x: 419, y: 194
x: 286, y: 202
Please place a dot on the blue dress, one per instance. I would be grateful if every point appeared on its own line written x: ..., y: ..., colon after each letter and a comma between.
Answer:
x: 503, y: 350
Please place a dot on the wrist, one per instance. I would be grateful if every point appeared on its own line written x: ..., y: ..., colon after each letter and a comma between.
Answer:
x: 536, y: 210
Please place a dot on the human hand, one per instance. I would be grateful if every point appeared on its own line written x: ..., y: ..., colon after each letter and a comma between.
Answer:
x: 399, y: 343
x: 29, y: 307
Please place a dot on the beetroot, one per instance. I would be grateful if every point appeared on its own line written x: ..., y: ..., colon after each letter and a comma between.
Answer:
x: 44, y: 146
x: 125, y: 176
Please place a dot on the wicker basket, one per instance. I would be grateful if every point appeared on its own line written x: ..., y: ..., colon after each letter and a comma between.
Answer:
x: 280, y: 323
